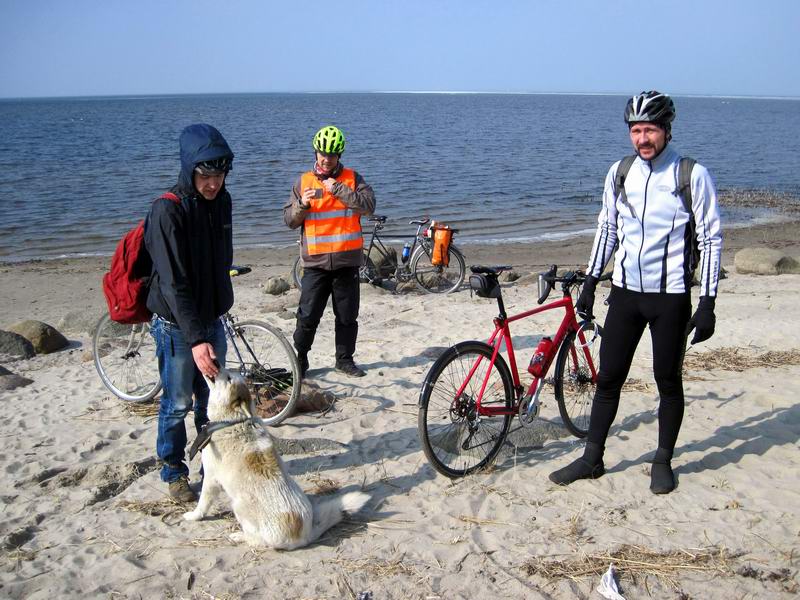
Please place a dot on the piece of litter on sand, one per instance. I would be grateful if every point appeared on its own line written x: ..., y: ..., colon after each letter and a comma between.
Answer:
x: 364, y: 596
x: 608, y: 587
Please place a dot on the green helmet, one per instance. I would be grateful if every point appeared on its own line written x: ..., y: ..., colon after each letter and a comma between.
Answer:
x: 329, y: 140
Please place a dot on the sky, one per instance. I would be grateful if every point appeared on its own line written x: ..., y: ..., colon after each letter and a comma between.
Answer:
x: 113, y: 47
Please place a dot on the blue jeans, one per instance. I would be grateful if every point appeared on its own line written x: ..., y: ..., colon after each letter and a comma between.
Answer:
x: 180, y: 378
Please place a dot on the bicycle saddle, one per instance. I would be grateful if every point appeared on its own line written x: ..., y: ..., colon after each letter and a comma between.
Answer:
x: 377, y: 219
x: 496, y: 270
x: 419, y: 221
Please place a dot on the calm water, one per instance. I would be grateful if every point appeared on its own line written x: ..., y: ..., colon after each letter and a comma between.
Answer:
x: 77, y: 173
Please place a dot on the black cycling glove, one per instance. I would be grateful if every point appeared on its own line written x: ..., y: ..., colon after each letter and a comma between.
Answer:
x: 703, y: 320
x: 585, y: 304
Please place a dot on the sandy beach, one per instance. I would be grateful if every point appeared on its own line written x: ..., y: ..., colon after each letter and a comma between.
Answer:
x: 84, y: 513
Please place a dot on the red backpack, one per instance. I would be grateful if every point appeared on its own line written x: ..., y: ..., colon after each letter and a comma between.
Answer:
x: 127, y: 282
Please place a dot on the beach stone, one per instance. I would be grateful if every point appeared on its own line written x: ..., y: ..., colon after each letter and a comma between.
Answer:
x: 45, y: 338
x: 384, y: 265
x: 764, y: 261
x: 287, y: 315
x: 313, y: 398
x: 13, y: 344
x: 276, y: 286
x: 406, y: 286
x: 12, y: 381
x: 509, y: 276
x: 529, y: 279
x: 79, y: 321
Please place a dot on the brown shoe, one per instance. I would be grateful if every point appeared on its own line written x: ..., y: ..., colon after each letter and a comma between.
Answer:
x: 179, y: 490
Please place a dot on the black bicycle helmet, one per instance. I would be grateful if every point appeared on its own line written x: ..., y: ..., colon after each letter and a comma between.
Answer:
x: 650, y: 107
x: 218, y: 166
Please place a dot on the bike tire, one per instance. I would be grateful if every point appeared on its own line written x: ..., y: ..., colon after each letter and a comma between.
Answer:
x: 297, y: 273
x: 574, y: 384
x: 368, y: 273
x: 446, y: 427
x: 125, y: 359
x: 437, y: 279
x: 270, y: 368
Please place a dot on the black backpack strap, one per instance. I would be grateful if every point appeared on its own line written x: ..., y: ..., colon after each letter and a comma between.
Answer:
x: 685, y: 182
x: 622, y: 173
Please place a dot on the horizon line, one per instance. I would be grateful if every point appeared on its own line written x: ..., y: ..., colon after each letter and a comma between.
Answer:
x: 136, y: 96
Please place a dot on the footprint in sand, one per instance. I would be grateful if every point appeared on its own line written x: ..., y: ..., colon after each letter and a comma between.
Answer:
x: 368, y: 421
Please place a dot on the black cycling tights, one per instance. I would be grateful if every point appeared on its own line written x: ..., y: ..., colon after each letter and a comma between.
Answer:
x: 628, y: 314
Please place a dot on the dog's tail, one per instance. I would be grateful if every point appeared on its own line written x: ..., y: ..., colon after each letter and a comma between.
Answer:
x: 329, y: 512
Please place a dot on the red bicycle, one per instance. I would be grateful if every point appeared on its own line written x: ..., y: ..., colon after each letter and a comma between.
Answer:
x: 471, y: 394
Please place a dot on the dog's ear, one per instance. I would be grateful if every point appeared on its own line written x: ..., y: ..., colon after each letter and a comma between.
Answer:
x: 239, y: 395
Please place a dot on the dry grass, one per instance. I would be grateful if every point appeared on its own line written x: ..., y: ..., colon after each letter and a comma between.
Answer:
x: 374, y: 566
x: 479, y: 521
x: 141, y: 409
x: 636, y: 561
x: 637, y: 385
x: 167, y: 509
x: 739, y: 359
x: 321, y: 485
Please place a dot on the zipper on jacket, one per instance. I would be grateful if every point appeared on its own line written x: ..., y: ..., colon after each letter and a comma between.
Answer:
x: 216, y: 302
x: 644, y: 211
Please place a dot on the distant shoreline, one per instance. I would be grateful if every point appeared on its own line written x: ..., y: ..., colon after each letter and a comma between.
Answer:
x: 156, y: 96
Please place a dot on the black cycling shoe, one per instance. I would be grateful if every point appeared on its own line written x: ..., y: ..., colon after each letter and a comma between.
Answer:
x: 662, y: 479
x: 349, y: 368
x: 588, y: 466
x: 302, y: 360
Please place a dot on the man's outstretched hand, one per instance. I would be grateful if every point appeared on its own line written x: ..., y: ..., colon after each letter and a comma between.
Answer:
x: 205, y: 359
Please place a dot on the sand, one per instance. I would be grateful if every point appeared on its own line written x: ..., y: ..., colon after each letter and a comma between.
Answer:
x: 84, y: 513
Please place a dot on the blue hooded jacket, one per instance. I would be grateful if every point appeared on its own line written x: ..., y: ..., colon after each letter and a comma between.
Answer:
x: 191, y: 243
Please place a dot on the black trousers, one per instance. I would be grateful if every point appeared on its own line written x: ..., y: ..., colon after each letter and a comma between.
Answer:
x: 628, y: 313
x: 317, y: 286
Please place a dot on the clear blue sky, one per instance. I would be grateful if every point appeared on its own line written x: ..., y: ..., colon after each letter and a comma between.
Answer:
x: 110, y: 47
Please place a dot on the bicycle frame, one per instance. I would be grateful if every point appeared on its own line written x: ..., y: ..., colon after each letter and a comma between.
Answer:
x: 377, y: 243
x: 230, y: 332
x: 502, y: 334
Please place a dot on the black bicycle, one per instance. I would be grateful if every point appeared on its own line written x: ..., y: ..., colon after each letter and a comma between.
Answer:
x: 415, y: 262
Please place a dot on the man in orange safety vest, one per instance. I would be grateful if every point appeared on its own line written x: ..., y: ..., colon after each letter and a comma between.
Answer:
x: 327, y: 202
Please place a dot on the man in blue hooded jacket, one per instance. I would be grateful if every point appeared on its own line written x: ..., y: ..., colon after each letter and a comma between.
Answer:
x: 191, y: 244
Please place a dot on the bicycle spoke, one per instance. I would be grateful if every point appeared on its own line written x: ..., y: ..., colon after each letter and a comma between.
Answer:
x: 125, y: 359
x: 457, y: 438
x: 266, y: 360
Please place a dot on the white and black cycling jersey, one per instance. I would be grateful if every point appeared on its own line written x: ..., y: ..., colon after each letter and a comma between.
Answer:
x: 649, y: 226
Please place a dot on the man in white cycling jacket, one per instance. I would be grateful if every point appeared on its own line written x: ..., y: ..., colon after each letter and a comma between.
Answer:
x: 653, y: 233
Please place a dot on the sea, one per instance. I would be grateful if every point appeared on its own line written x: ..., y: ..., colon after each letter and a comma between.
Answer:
x: 76, y: 173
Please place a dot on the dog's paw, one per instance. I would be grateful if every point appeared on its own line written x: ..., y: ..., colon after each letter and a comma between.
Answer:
x: 194, y: 515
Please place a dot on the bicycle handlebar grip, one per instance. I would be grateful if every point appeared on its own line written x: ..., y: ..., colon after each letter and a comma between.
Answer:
x: 546, y: 283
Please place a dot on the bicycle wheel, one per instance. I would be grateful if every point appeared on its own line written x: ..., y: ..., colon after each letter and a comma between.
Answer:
x: 574, y: 384
x: 437, y: 279
x: 456, y: 440
x: 368, y: 273
x: 125, y: 359
x: 297, y: 273
x: 266, y: 360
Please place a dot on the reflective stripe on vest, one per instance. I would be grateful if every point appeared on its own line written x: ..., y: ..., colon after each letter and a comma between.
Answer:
x: 330, y: 226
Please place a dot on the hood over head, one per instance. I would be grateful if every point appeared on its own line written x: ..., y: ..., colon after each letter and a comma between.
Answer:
x: 199, y: 143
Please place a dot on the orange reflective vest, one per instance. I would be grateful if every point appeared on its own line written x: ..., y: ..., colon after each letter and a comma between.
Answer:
x: 330, y: 226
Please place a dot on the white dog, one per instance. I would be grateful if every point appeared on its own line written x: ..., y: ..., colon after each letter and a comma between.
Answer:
x: 241, y: 459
